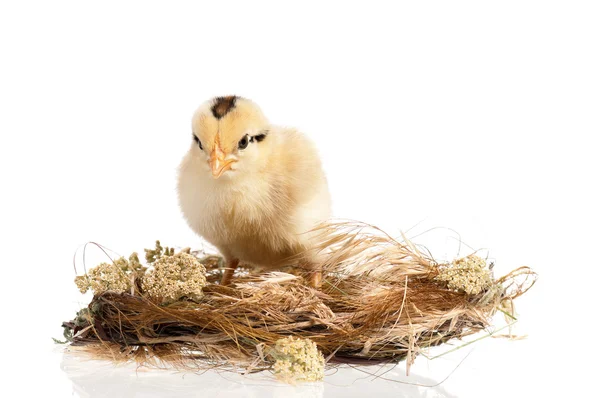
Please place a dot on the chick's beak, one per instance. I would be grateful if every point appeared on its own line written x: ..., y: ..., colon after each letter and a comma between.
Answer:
x: 218, y: 163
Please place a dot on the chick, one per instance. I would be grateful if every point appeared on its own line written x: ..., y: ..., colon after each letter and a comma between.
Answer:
x: 251, y: 189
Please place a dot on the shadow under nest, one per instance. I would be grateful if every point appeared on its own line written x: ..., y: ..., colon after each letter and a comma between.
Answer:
x: 381, y: 301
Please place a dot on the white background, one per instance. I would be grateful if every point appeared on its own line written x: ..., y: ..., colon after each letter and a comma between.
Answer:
x: 470, y: 116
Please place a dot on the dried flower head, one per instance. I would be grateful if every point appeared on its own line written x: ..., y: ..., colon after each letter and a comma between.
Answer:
x: 175, y: 277
x: 297, y: 360
x: 468, y: 274
x: 154, y: 254
x: 117, y: 276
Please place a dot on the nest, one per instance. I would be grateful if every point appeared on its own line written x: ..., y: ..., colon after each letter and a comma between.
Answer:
x: 382, y: 300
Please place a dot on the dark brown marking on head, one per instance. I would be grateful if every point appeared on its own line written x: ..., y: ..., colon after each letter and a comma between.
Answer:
x: 223, y: 105
x: 261, y: 136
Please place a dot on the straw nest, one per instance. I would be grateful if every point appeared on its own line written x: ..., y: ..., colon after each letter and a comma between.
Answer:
x: 381, y: 300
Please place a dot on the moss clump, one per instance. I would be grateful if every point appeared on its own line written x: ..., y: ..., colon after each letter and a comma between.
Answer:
x: 469, y: 274
x: 117, y: 276
x: 175, y: 277
x: 297, y: 360
x: 172, y: 277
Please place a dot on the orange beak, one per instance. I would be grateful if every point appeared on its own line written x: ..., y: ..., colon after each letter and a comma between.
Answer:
x: 218, y: 163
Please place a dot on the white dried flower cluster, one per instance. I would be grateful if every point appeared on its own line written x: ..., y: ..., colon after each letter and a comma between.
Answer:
x: 175, y: 277
x: 298, y: 360
x: 469, y: 274
x: 114, y: 277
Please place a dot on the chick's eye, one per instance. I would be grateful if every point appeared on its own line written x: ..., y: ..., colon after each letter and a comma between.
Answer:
x: 243, y: 142
x: 198, y: 142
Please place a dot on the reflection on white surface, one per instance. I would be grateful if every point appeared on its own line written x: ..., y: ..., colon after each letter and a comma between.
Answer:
x: 92, y: 378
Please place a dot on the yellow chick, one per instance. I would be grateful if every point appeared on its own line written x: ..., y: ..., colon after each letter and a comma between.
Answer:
x: 251, y: 189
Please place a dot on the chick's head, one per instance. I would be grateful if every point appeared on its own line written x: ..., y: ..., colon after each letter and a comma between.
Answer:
x: 228, y: 135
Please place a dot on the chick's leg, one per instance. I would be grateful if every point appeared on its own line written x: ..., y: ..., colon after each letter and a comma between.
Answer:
x: 316, y: 279
x: 232, y: 264
x: 315, y: 276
